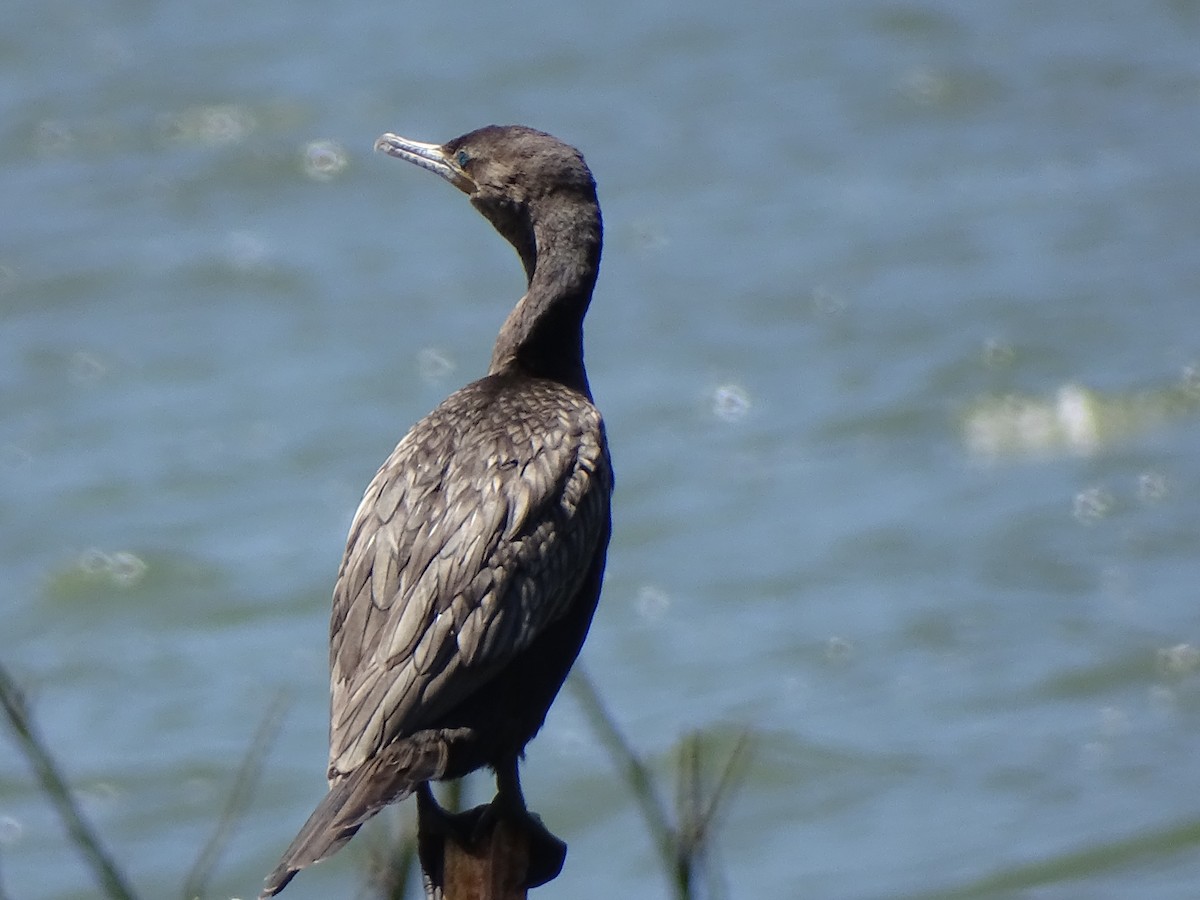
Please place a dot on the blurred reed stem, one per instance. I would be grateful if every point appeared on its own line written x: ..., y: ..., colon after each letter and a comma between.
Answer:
x: 55, y: 787
x: 685, y: 846
x: 196, y: 883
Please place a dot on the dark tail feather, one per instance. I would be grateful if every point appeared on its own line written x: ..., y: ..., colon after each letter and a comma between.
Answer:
x: 387, y: 778
x: 335, y: 820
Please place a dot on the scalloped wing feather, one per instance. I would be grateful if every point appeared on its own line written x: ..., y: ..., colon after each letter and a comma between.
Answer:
x: 470, y: 540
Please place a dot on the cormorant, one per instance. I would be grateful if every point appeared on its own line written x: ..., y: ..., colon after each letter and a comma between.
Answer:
x: 474, y: 561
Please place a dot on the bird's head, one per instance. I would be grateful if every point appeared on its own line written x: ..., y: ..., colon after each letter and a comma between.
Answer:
x: 512, y: 174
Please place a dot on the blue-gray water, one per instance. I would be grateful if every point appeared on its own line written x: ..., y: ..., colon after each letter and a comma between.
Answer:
x: 897, y: 336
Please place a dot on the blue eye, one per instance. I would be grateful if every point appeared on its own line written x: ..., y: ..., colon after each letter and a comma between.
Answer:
x: 463, y: 158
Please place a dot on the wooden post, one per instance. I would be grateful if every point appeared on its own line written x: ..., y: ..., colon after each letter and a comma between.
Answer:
x: 487, y: 853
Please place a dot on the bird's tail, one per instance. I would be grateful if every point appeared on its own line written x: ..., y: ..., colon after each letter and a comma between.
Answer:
x: 387, y: 778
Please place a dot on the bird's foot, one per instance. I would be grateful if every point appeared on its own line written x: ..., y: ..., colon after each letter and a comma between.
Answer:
x: 503, y: 828
x: 547, y: 852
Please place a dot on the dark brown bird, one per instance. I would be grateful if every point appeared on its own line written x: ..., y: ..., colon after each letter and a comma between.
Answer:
x: 474, y: 561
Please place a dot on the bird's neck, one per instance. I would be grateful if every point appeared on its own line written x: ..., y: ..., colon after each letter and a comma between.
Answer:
x: 543, y: 335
